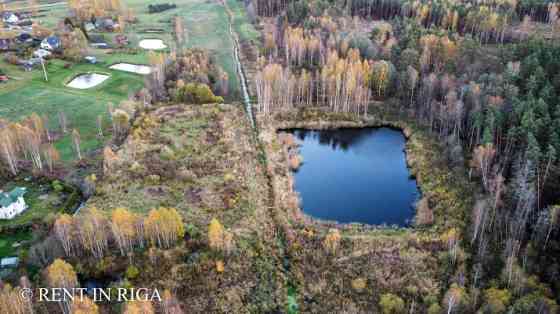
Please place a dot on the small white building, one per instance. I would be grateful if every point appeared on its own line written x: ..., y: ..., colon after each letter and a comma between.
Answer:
x: 10, y: 18
x: 9, y: 262
x: 42, y: 53
x: 12, y: 203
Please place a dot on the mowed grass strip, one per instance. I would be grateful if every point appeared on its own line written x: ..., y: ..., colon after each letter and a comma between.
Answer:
x: 206, y: 26
x: 241, y: 24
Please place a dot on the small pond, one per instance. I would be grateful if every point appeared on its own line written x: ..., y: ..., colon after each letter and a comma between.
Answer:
x: 88, y: 80
x: 152, y: 44
x: 133, y: 68
x: 355, y: 175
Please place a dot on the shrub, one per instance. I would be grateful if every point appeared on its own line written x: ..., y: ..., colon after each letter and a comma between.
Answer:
x: 332, y: 241
x: 359, y: 284
x: 57, y: 186
x: 132, y: 272
x: 391, y: 304
x: 197, y: 93
x: 497, y: 300
x: 156, y: 8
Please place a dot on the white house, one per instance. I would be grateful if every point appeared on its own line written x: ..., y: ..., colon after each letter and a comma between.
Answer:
x: 10, y: 18
x: 41, y: 53
x: 12, y: 203
x: 9, y: 262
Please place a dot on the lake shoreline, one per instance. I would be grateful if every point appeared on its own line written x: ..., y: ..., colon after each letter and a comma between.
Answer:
x: 286, y: 199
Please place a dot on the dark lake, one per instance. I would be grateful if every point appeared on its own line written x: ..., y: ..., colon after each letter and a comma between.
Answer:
x: 355, y: 175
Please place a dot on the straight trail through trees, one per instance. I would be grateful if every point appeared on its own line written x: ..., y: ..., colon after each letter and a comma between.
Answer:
x: 291, y: 296
x: 239, y: 66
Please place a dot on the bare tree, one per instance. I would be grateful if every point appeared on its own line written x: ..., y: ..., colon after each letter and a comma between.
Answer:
x: 63, y: 122
x: 76, y: 142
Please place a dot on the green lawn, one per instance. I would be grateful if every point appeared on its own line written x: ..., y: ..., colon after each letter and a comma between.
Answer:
x: 206, y: 26
x: 41, y: 199
x: 81, y: 107
x: 6, y: 242
x: 241, y: 24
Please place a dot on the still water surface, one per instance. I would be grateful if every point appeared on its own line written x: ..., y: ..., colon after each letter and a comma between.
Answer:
x: 355, y: 175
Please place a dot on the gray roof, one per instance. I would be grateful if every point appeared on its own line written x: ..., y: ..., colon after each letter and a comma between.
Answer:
x: 4, y: 43
x: 7, y: 199
x: 9, y: 261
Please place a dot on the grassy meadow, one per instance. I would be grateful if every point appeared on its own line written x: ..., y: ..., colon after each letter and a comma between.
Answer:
x: 20, y: 98
x: 206, y: 26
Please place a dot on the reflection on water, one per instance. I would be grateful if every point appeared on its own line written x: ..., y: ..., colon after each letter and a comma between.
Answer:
x: 355, y: 175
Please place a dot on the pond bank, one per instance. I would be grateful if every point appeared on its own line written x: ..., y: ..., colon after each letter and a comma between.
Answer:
x: 434, y: 177
x: 358, y: 260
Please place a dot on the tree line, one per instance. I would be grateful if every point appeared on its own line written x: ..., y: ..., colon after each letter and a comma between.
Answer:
x: 61, y: 274
x: 30, y: 143
x: 92, y: 231
x: 489, y: 21
x: 188, y: 75
x: 497, y: 108
x: 342, y: 84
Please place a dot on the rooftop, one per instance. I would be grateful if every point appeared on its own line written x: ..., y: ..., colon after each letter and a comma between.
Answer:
x: 9, y: 261
x: 7, y: 199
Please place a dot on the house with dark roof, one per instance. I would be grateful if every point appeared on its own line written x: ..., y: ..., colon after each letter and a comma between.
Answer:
x: 42, y: 53
x: 24, y: 38
x: 12, y: 203
x: 5, y: 43
x: 105, y: 24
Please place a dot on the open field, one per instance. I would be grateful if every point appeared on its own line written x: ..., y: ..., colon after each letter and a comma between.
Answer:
x: 203, y: 161
x: 7, y: 242
x: 81, y: 107
x: 241, y: 24
x: 206, y: 26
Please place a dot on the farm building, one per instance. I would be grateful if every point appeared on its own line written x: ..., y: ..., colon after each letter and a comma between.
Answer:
x: 106, y: 24
x: 89, y: 27
x: 12, y: 203
x: 90, y: 59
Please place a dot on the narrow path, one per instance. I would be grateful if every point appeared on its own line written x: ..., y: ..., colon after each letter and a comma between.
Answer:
x: 291, y: 289
x: 239, y: 66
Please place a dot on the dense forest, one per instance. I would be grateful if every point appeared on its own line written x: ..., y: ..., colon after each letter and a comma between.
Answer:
x: 478, y: 80
x: 188, y: 196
